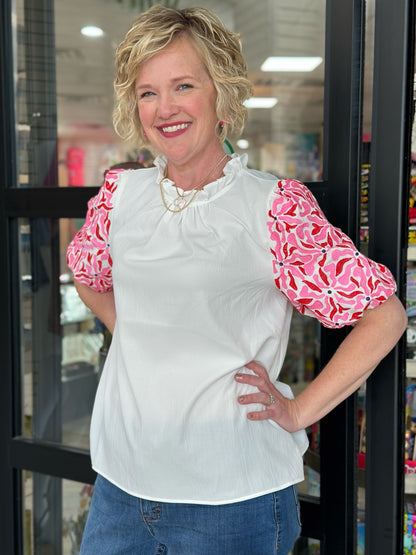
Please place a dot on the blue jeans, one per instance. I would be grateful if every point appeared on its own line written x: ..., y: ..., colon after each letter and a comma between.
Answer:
x: 119, y: 523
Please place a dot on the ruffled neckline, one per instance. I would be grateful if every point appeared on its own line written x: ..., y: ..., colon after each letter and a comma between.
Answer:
x: 211, y: 190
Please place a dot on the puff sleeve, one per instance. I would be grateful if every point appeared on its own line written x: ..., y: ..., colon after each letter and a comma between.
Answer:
x: 88, y: 254
x: 316, y: 266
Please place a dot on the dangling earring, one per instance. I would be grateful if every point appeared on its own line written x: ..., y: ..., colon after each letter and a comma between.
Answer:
x: 219, y: 129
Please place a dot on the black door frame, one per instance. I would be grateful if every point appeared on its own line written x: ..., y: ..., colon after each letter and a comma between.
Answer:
x: 334, y: 518
x: 388, y: 211
x: 345, y: 27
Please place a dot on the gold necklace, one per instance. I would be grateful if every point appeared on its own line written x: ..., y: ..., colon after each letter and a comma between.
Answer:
x: 181, y: 202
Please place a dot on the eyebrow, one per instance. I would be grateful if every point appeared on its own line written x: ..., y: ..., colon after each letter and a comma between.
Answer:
x: 175, y: 80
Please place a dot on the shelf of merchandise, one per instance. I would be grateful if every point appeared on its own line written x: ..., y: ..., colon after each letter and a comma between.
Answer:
x: 411, y: 363
x: 410, y: 466
x: 409, y: 475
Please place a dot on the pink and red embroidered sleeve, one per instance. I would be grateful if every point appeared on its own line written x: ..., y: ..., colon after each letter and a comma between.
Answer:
x: 88, y: 254
x: 316, y: 266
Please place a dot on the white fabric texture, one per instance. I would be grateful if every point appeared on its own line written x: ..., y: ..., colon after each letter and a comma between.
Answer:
x: 196, y: 301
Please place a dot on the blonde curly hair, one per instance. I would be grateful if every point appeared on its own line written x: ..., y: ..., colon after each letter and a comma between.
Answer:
x: 219, y: 49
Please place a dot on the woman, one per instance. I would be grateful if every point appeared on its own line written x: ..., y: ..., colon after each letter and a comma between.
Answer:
x: 194, y: 266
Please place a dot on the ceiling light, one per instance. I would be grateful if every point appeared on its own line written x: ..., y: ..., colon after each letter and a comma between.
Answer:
x: 260, y: 102
x: 243, y: 144
x: 92, y: 31
x: 291, y: 63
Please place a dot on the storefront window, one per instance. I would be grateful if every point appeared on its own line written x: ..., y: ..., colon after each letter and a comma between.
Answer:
x: 63, y: 343
x: 55, y: 513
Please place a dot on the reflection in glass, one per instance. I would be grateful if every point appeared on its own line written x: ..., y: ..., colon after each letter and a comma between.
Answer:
x: 55, y: 513
x: 307, y: 546
x: 62, y: 339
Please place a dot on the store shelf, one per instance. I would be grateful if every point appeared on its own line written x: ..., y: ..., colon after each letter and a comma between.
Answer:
x: 409, y: 474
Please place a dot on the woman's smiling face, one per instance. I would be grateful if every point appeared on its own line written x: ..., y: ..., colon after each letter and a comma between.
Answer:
x: 176, y: 102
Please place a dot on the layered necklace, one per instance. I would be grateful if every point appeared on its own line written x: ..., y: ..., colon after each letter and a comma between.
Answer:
x: 184, y: 199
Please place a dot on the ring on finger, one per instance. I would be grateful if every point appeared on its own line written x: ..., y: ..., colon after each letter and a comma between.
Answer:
x: 272, y: 400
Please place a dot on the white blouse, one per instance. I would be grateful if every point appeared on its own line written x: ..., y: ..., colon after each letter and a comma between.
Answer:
x: 199, y: 294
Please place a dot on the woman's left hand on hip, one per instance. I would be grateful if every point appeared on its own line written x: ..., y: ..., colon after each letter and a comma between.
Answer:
x: 277, y: 407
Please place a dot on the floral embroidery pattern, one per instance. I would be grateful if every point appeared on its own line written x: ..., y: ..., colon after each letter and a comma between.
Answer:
x: 88, y: 254
x: 316, y: 266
